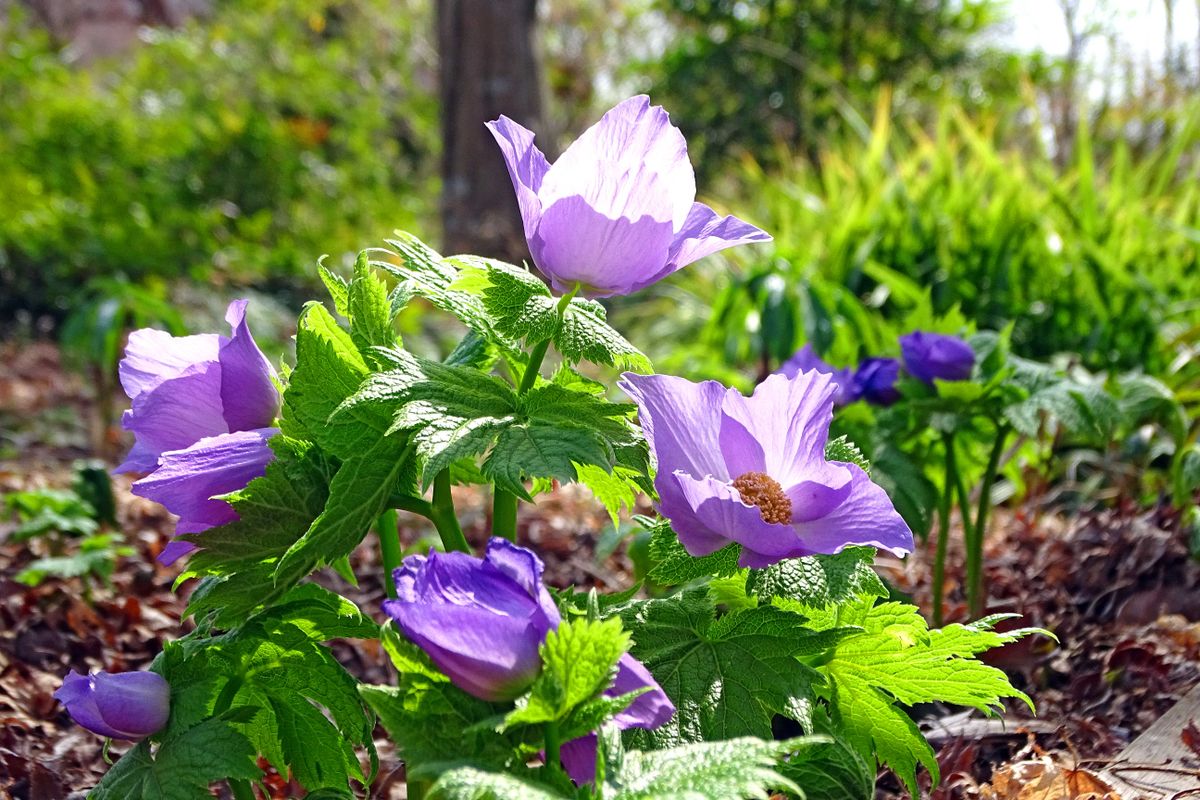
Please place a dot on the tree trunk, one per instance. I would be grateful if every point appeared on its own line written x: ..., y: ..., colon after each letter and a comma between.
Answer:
x: 488, y: 68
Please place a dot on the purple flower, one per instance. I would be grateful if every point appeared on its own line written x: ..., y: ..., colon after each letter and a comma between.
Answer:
x: 934, y: 356
x: 126, y: 705
x: 649, y: 710
x: 202, y: 409
x: 617, y: 211
x: 752, y: 470
x: 481, y: 621
x: 805, y: 360
x: 875, y: 381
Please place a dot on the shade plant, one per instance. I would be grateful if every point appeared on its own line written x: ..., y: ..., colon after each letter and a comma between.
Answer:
x: 503, y: 686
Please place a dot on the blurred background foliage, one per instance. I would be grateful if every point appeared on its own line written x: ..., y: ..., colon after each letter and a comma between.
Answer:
x: 916, y: 167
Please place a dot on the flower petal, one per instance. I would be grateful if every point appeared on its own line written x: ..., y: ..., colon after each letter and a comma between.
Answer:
x: 650, y: 709
x: 524, y: 567
x: 789, y: 418
x: 613, y: 163
x: 578, y: 758
x: 152, y: 357
x: 867, y: 516
x: 137, y: 703
x: 934, y: 356
x: 578, y: 244
x: 526, y: 167
x: 249, y: 398
x: 705, y: 232
x: 188, y: 479
x: 175, y: 414
x: 719, y: 508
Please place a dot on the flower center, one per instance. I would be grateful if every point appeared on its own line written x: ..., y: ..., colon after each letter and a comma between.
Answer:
x: 760, y: 489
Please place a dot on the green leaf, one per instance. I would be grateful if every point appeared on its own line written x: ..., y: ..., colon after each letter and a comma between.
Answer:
x: 578, y: 663
x: 329, y: 369
x: 339, y: 290
x: 1080, y: 409
x: 830, y: 770
x: 822, y: 580
x: 586, y: 335
x: 740, y: 767
x: 897, y: 659
x: 727, y: 676
x: 616, y: 489
x: 842, y: 449
x: 369, y: 309
x: 358, y: 493
x: 473, y: 783
x: 322, y: 614
x: 183, y: 766
x: 673, y: 565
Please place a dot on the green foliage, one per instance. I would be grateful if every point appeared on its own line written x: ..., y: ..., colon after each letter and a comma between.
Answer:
x: 96, y: 557
x: 673, y: 565
x: 182, y: 767
x: 42, y: 511
x: 727, y: 676
x: 239, y: 146
x: 821, y: 581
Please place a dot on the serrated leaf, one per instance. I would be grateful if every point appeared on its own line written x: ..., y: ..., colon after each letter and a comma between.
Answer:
x: 726, y: 676
x: 1080, y: 409
x: 182, y: 767
x: 822, y: 580
x: 842, y: 449
x: 339, y: 290
x: 369, y: 309
x: 616, y: 489
x: 830, y: 770
x: 322, y: 614
x: 473, y: 783
x: 741, y: 768
x: 535, y: 450
x: 673, y: 565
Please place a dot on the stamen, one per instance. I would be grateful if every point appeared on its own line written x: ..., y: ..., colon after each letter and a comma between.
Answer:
x: 760, y: 489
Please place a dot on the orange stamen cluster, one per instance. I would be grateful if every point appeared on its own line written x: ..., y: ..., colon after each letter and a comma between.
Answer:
x: 760, y: 489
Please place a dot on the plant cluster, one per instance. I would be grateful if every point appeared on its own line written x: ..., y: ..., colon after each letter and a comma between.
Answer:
x: 505, y: 688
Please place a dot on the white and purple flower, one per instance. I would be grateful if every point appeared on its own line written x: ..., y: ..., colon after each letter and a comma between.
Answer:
x: 752, y: 470
x: 202, y: 411
x: 617, y: 211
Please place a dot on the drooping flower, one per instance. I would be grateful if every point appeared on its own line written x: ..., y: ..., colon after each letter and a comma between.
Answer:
x: 616, y: 212
x: 806, y: 360
x: 202, y: 410
x: 934, y: 356
x: 648, y: 710
x: 752, y: 470
x: 479, y: 620
x: 875, y: 381
x: 125, y: 705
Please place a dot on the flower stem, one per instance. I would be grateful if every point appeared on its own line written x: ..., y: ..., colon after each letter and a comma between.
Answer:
x: 553, y: 746
x: 504, y: 514
x: 417, y: 788
x: 945, y: 503
x: 443, y: 516
x: 964, y: 505
x: 975, y: 551
x: 389, y: 548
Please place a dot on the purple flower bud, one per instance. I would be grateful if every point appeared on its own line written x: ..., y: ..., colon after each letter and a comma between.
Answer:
x: 617, y: 211
x: 125, y: 705
x: 650, y: 710
x: 934, y: 356
x: 875, y: 381
x: 202, y: 410
x: 805, y: 360
x: 752, y: 470
x: 481, y: 621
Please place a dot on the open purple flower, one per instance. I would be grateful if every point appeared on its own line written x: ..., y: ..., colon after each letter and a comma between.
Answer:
x: 617, y: 211
x: 752, y: 470
x: 875, y: 381
x: 649, y: 710
x: 202, y: 410
x: 934, y: 356
x: 806, y: 360
x: 125, y: 705
x: 481, y: 621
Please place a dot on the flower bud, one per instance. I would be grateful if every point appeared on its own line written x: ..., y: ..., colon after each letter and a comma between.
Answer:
x: 125, y: 705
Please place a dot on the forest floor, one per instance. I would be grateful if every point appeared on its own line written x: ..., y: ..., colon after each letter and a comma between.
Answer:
x: 1116, y: 586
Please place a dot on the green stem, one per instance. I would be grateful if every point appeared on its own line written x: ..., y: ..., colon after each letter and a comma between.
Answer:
x: 536, y: 356
x: 553, y: 746
x: 975, y: 553
x: 242, y: 790
x: 443, y: 516
x: 964, y: 506
x: 417, y: 788
x: 945, y: 503
x: 389, y: 548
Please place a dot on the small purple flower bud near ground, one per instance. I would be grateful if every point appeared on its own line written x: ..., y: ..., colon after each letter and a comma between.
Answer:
x: 649, y: 710
x: 202, y: 411
x: 617, y: 211
x: 752, y: 470
x: 125, y: 705
x: 934, y: 356
x: 875, y: 381
x: 805, y: 360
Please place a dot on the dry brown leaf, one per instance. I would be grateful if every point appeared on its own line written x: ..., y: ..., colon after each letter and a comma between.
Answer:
x: 1044, y: 779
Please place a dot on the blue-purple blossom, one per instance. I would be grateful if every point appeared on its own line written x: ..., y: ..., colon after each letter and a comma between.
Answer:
x: 649, y: 710
x: 617, y: 211
x: 201, y: 415
x: 875, y: 381
x: 806, y: 360
x: 934, y: 356
x: 125, y: 705
x: 752, y: 470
